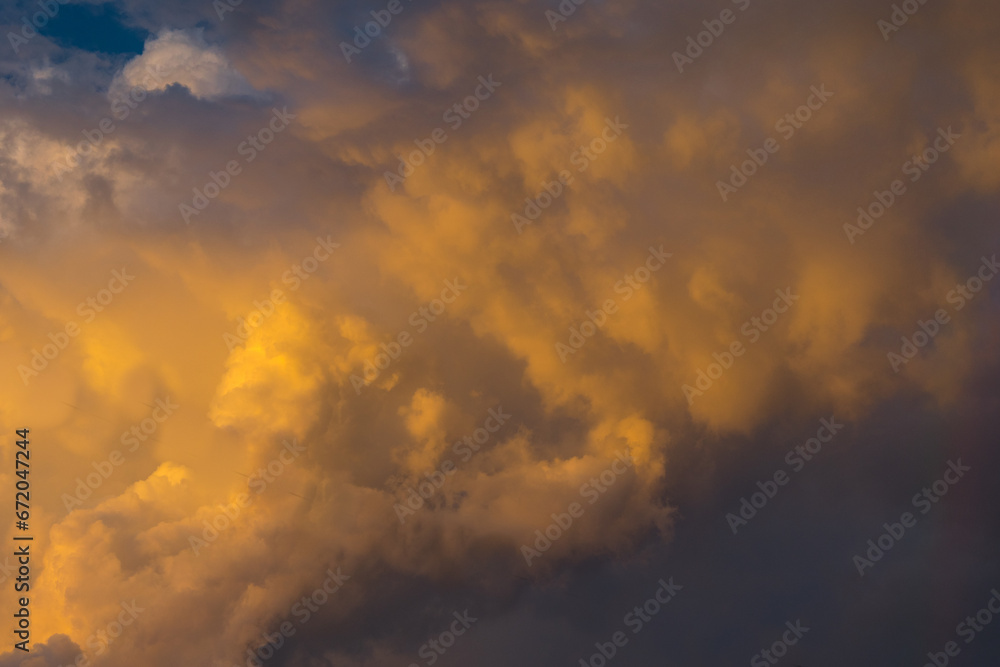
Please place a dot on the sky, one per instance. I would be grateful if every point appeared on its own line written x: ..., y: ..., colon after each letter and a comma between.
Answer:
x: 499, y: 332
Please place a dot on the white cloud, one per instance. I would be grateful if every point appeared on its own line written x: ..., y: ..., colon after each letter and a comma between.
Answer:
x: 183, y: 57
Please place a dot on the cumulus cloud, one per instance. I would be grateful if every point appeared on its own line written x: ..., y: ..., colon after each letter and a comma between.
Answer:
x: 184, y: 58
x: 364, y: 447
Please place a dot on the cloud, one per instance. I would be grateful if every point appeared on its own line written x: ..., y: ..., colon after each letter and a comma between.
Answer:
x: 183, y: 57
x: 620, y: 392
